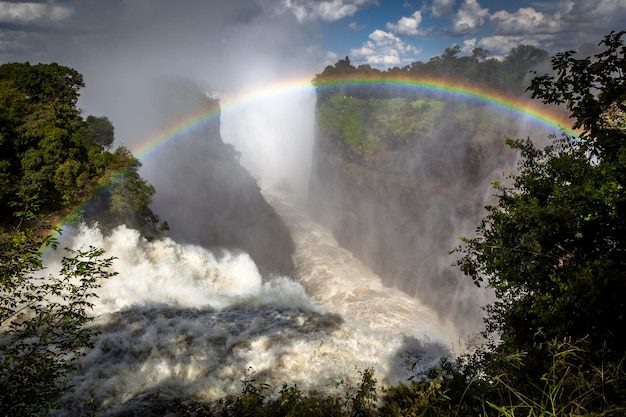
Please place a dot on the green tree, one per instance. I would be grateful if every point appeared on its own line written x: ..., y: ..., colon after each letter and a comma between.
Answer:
x: 553, y: 247
x: 43, y: 320
x: 39, y: 117
x: 102, y: 131
x: 594, y: 90
x: 45, y: 82
x: 125, y: 198
x: 50, y: 158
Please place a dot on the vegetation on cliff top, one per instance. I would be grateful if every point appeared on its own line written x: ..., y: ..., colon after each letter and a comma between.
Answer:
x: 362, y: 123
x: 363, y: 114
x: 509, y: 75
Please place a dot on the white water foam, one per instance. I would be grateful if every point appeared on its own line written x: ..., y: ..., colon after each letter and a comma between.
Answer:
x: 178, y: 322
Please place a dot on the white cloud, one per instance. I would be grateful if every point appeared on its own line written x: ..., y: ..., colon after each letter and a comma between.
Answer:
x: 469, y: 18
x: 442, y: 7
x: 326, y: 10
x: 24, y: 13
x: 384, y: 49
x: 468, y: 45
x: 594, y: 9
x: 355, y: 26
x: 524, y: 21
x: 568, y: 26
x: 500, y: 46
x: 330, y: 58
x: 407, y: 26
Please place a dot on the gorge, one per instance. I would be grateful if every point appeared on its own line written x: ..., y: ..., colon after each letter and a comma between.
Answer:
x: 254, y: 286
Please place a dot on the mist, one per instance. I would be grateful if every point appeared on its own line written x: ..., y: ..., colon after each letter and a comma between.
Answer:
x: 125, y: 49
x: 129, y: 53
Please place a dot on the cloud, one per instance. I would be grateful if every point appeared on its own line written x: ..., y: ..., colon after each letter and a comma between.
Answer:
x: 469, y: 18
x: 407, y: 26
x: 125, y: 48
x: 355, y: 26
x: 594, y: 9
x: 330, y: 58
x: 326, y: 10
x: 33, y: 13
x: 500, y: 46
x: 524, y: 21
x: 442, y: 7
x: 468, y: 45
x: 384, y: 49
x: 568, y: 26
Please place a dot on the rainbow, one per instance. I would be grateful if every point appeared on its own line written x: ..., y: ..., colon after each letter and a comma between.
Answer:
x: 551, y: 118
x: 554, y: 119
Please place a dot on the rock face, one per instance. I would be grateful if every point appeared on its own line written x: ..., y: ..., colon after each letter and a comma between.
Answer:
x: 205, y: 195
x: 398, y: 180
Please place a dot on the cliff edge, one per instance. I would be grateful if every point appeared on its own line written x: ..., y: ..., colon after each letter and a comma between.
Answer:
x: 205, y: 195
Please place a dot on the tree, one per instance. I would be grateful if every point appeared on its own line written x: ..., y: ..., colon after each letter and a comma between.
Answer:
x: 344, y: 64
x: 553, y: 247
x: 524, y: 55
x: 43, y: 320
x: 102, y: 130
x: 39, y: 117
x: 479, y: 54
x: 594, y: 91
x: 50, y: 158
x: 45, y: 82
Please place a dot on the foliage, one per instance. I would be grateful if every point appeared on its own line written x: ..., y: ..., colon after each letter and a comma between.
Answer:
x: 96, y: 131
x: 42, y: 319
x: 50, y: 160
x: 123, y: 198
x: 362, y: 123
x: 507, y: 75
x: 553, y: 247
x: 571, y: 386
x: 52, y: 157
x: 40, y: 160
x: 257, y: 399
x: 591, y: 88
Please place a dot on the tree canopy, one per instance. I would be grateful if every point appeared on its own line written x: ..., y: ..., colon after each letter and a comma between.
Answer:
x: 508, y: 75
x: 51, y: 160
x: 553, y: 246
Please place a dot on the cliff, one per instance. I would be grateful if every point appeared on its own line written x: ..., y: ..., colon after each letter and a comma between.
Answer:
x: 399, y: 177
x: 204, y: 194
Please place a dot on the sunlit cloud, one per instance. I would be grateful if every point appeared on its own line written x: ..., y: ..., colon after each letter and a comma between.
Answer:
x: 500, y: 46
x: 407, y: 25
x: 442, y: 7
x: 468, y: 45
x: 523, y: 21
x: 326, y: 10
x: 594, y: 9
x: 469, y: 18
x: 384, y: 49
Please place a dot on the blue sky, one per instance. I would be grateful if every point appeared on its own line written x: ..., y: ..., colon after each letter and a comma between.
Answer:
x: 120, y: 46
x: 381, y: 33
x: 389, y: 33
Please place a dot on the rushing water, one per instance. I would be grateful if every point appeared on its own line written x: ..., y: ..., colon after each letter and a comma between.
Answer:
x: 182, y: 322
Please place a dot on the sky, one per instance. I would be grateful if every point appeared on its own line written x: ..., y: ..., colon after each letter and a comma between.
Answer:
x: 381, y: 33
x: 123, y: 47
